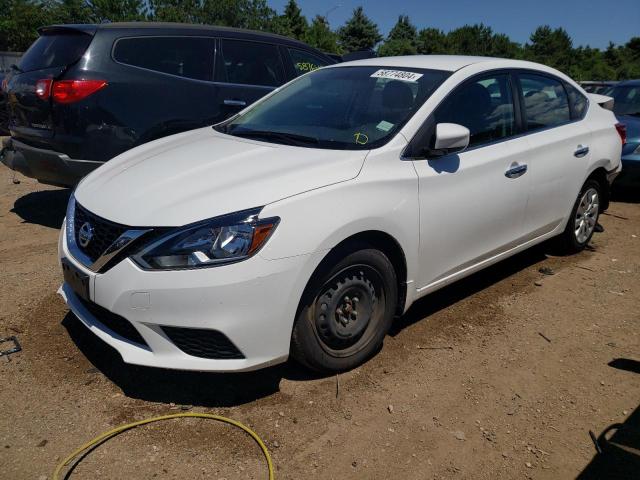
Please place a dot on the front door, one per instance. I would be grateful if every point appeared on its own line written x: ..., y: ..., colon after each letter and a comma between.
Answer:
x: 472, y: 204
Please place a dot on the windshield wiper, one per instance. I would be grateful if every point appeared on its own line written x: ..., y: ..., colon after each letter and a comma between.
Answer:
x: 289, y: 138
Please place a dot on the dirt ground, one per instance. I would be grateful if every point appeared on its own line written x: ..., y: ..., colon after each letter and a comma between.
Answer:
x: 499, y: 376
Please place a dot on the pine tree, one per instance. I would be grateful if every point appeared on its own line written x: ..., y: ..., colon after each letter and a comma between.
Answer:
x: 320, y: 36
x: 359, y: 33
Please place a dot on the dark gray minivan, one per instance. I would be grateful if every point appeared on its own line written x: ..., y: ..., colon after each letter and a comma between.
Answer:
x: 82, y: 94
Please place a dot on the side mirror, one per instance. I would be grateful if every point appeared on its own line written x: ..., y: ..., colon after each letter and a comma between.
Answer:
x: 450, y: 138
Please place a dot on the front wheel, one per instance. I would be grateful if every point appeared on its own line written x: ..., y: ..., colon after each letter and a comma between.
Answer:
x: 346, y: 311
x: 583, y: 219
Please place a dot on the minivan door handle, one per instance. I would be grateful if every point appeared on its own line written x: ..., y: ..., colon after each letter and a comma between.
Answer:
x: 581, y: 151
x: 235, y: 103
x: 515, y: 172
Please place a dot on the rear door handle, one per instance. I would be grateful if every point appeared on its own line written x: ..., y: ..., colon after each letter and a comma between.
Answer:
x: 235, y: 103
x: 581, y: 151
x: 515, y: 172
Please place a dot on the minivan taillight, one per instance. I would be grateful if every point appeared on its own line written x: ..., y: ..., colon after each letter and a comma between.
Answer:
x: 622, y: 131
x: 70, y: 91
x: 43, y: 88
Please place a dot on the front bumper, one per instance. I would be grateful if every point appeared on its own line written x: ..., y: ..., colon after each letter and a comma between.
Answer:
x: 47, y: 166
x: 253, y: 303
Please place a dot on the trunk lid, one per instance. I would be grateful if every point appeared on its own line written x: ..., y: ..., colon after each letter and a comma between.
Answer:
x: 57, y: 48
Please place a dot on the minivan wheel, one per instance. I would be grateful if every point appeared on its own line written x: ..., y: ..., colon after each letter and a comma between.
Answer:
x: 346, y: 311
x: 583, y: 219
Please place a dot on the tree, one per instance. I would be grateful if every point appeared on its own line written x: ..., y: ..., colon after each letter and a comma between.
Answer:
x: 359, y: 33
x: 551, y: 47
x: 432, y: 41
x: 19, y: 21
x: 470, y: 40
x: 320, y: 36
x: 292, y: 23
x: 186, y: 11
x: 402, y: 39
x: 116, y: 10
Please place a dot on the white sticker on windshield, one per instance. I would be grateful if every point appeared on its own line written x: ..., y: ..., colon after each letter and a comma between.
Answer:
x: 397, y: 75
x: 384, y: 126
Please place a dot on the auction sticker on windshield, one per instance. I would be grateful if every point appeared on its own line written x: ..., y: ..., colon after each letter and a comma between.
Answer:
x: 397, y: 75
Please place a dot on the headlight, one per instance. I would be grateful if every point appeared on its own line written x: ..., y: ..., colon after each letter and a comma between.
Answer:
x: 636, y: 151
x: 221, y: 240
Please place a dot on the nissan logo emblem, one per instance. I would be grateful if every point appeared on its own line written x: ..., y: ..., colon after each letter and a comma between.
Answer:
x: 85, y: 234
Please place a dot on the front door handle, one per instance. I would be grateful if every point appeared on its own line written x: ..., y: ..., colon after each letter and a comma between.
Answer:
x: 515, y: 172
x: 581, y: 151
x: 235, y: 103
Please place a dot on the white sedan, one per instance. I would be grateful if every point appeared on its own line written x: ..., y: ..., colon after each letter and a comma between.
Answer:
x: 309, y: 221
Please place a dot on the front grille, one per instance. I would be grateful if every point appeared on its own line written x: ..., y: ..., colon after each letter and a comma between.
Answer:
x: 104, y: 232
x: 113, y: 322
x: 203, y: 343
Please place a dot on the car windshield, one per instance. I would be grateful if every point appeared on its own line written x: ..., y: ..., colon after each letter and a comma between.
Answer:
x: 626, y: 100
x: 347, y: 108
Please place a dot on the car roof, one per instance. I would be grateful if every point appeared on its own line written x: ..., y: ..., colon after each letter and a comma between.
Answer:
x: 449, y: 63
x: 629, y: 83
x: 167, y: 27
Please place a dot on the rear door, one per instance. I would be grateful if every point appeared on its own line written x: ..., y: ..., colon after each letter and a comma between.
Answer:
x: 558, y: 153
x: 30, y: 112
x: 244, y: 72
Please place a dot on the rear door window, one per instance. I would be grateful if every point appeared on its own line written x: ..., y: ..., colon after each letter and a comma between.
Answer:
x: 304, y: 62
x: 189, y: 57
x: 249, y: 63
x: 545, y: 101
x: 56, y: 50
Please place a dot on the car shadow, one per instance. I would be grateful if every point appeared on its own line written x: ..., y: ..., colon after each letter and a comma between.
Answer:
x: 204, y: 389
x: 618, y: 446
x: 44, y: 207
x: 451, y: 294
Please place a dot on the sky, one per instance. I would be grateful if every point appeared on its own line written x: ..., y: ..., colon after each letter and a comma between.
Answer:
x: 588, y: 22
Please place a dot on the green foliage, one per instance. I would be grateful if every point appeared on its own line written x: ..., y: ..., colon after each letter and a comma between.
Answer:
x: 359, y: 33
x: 320, y: 36
x: 292, y: 23
x: 432, y: 41
x: 20, y: 19
x: 402, y: 39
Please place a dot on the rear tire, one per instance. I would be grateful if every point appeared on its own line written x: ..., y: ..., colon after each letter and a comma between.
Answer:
x: 345, y: 312
x: 583, y: 219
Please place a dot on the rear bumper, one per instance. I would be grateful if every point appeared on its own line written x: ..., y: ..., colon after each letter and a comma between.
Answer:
x: 46, y: 166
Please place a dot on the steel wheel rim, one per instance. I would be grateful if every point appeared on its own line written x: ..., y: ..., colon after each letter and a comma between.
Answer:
x: 342, y: 340
x: 586, y: 215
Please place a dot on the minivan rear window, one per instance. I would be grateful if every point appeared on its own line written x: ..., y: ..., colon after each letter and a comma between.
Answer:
x: 56, y: 50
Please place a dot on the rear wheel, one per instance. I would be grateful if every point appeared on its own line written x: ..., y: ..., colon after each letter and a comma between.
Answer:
x: 346, y: 311
x: 583, y: 219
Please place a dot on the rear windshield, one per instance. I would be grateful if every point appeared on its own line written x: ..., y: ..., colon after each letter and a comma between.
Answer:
x: 54, y: 51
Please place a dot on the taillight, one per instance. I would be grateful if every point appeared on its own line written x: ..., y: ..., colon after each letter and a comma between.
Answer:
x: 43, y: 88
x: 69, y: 91
x: 622, y: 131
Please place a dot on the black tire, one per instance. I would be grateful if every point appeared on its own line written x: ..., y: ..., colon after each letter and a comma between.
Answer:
x: 569, y: 241
x: 346, y: 311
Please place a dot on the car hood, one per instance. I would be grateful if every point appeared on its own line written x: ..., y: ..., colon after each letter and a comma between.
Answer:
x: 201, y: 174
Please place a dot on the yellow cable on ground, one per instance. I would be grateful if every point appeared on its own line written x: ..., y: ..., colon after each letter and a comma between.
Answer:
x: 105, y: 436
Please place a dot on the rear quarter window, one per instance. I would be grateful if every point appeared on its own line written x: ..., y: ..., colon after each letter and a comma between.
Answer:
x: 304, y: 62
x: 578, y: 101
x: 55, y: 51
x: 250, y: 63
x: 188, y: 57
